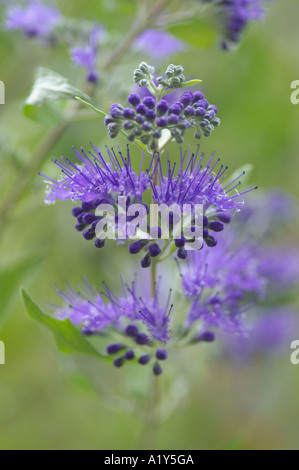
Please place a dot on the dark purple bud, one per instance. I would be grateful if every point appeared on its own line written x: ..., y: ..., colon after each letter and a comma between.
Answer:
x: 87, y: 332
x: 141, y: 109
x: 94, y: 225
x: 116, y: 111
x: 150, y: 102
x: 142, y: 339
x: 80, y: 227
x: 134, y: 99
x: 189, y: 111
x: 180, y: 242
x: 162, y: 122
x: 119, y: 362
x: 205, y: 221
x: 162, y: 107
x: 205, y: 233
x: 157, y: 134
x: 155, y: 250
x: 207, y: 337
x: 108, y: 120
x: 216, y: 226
x: 128, y: 125
x: 131, y: 331
x: 151, y: 115
x: 129, y: 113
x: 214, y: 108
x: 210, y: 115
x: 130, y: 355
x: 205, y: 123
x: 200, y: 112
x: 140, y: 119
x: 146, y: 261
x: 144, y: 360
x: 87, y: 206
x: 89, y: 234
x: 157, y: 369
x: 161, y: 354
x: 135, y: 248
x: 182, y: 254
x: 114, y: 348
x: 211, y: 241
x: 186, y: 99
x: 89, y: 218
x: 92, y: 76
x: 98, y: 201
x: 203, y: 104
x: 31, y: 32
x: 99, y: 243
x: 147, y: 127
x: 173, y: 119
x: 175, y: 109
x: 224, y: 217
x: 198, y: 95
x: 77, y: 211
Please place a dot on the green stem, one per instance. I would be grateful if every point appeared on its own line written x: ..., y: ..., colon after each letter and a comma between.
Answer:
x: 151, y: 423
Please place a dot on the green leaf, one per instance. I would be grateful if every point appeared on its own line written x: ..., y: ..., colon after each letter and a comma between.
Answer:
x: 198, y: 33
x: 49, y: 87
x: 44, y: 114
x: 68, y: 337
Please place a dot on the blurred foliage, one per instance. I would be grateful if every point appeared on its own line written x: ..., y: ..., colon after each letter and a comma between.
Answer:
x: 45, y: 403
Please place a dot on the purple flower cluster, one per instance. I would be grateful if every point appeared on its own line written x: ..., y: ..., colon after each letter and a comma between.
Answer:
x: 86, y: 56
x: 95, y: 181
x: 270, y: 333
x: 45, y: 22
x: 158, y: 45
x: 140, y: 322
x: 236, y: 15
x: 146, y: 119
x: 35, y: 18
x: 222, y: 284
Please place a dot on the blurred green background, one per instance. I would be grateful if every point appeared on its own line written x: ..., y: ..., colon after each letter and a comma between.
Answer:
x: 44, y: 402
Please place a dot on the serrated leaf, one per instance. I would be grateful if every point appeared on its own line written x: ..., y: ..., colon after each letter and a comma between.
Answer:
x: 49, y: 87
x: 69, y: 338
x: 198, y: 33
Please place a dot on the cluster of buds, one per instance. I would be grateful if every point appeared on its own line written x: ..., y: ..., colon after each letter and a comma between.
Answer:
x: 146, y: 119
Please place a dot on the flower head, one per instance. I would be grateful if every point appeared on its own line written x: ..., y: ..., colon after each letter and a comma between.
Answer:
x: 158, y: 45
x: 270, y: 333
x: 148, y: 118
x: 141, y: 323
x: 34, y: 18
x: 95, y: 178
x: 235, y: 15
x: 223, y: 283
x: 86, y: 56
x: 197, y: 184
